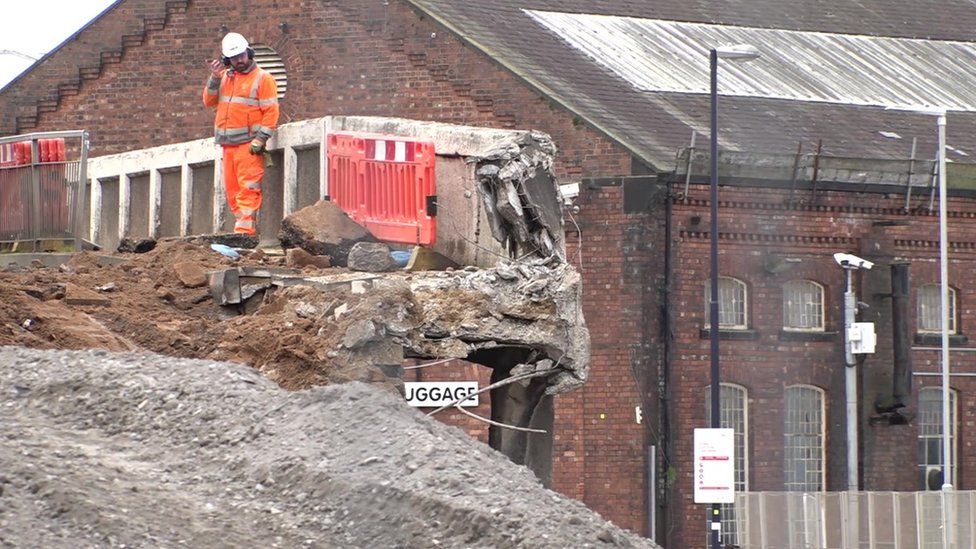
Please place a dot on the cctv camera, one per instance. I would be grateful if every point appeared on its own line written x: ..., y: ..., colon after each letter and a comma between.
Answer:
x: 849, y: 261
x: 569, y: 191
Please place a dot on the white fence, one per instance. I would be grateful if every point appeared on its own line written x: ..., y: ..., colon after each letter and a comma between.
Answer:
x: 847, y: 520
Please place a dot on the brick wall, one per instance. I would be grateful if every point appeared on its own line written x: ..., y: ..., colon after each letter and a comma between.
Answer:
x: 457, y: 370
x: 59, y: 78
x: 621, y: 258
x: 757, y: 223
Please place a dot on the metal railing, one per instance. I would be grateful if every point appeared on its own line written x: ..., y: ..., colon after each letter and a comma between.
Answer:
x: 848, y: 520
x: 42, y: 191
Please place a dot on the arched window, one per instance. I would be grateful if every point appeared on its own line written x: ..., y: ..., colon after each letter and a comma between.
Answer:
x: 803, y: 306
x: 733, y: 414
x: 930, y: 462
x: 269, y: 60
x: 732, y: 304
x: 803, y: 444
x: 930, y: 309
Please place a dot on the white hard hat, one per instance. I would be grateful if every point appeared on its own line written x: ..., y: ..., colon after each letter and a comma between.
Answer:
x: 233, y: 44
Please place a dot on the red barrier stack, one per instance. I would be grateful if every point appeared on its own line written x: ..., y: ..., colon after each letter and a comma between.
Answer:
x: 14, y: 187
x: 385, y: 183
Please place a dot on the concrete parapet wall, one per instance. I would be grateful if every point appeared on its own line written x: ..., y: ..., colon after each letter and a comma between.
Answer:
x: 177, y: 190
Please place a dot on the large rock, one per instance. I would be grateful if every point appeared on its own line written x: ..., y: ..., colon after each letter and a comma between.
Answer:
x: 371, y: 257
x: 190, y: 274
x: 323, y: 229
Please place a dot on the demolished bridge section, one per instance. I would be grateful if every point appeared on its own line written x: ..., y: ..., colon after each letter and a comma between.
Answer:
x: 361, y: 326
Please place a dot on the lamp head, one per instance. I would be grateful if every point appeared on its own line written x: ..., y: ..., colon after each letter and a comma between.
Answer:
x: 740, y: 52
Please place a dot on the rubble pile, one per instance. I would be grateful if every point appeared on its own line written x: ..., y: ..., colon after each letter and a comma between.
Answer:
x: 140, y: 450
x: 300, y: 327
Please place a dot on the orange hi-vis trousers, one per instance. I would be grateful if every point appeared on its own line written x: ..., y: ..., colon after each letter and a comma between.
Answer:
x: 243, y: 173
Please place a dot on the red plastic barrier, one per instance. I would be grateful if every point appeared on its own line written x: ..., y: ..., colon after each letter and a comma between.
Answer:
x: 13, y: 213
x: 22, y: 153
x: 387, y: 184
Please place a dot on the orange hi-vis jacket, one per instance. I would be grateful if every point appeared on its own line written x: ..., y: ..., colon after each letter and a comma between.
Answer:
x: 247, y: 105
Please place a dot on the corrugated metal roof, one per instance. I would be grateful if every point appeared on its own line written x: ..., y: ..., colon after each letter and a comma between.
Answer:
x: 670, y: 56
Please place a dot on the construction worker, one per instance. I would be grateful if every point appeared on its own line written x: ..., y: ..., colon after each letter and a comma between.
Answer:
x: 246, y: 98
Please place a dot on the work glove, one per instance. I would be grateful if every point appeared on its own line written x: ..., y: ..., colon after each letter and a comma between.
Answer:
x: 257, y: 146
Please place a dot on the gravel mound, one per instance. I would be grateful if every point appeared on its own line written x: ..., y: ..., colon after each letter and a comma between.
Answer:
x: 139, y: 450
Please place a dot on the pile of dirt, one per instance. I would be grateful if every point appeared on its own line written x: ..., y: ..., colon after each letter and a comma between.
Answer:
x: 148, y: 308
x: 141, y: 450
x: 298, y: 335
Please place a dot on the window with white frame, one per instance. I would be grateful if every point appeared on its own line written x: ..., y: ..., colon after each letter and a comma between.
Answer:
x: 732, y: 309
x: 930, y: 462
x: 803, y: 444
x: 803, y: 306
x: 930, y: 309
x: 733, y: 415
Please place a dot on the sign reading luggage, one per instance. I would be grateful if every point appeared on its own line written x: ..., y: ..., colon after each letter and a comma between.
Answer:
x: 714, y: 466
x: 432, y: 394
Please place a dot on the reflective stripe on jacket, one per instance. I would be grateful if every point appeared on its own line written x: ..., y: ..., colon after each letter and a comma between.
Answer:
x: 247, y: 105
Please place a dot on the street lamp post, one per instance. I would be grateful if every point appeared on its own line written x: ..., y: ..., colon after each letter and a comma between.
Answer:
x: 741, y: 52
x: 940, y: 119
x: 944, y: 303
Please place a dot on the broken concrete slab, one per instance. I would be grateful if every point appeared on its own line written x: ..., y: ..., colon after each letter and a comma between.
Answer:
x: 517, y: 182
x: 136, y: 246
x: 76, y: 295
x: 234, y: 240
x: 471, y: 314
x: 323, y: 229
x: 190, y: 274
x: 235, y: 285
x: 425, y: 259
x: 360, y: 333
x: 371, y: 257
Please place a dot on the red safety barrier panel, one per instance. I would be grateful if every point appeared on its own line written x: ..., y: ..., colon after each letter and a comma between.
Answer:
x: 386, y: 184
x: 14, y: 186
x: 22, y: 153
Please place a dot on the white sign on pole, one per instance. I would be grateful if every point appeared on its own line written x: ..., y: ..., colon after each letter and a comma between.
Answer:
x: 714, y: 466
x: 433, y: 394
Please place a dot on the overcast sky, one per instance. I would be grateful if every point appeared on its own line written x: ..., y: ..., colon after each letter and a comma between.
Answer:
x: 35, y: 27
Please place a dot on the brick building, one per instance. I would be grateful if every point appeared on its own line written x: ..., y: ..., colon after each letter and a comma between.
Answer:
x: 621, y: 88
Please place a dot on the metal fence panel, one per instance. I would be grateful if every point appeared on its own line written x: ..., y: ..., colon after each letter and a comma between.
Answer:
x: 876, y: 520
x: 42, y: 188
